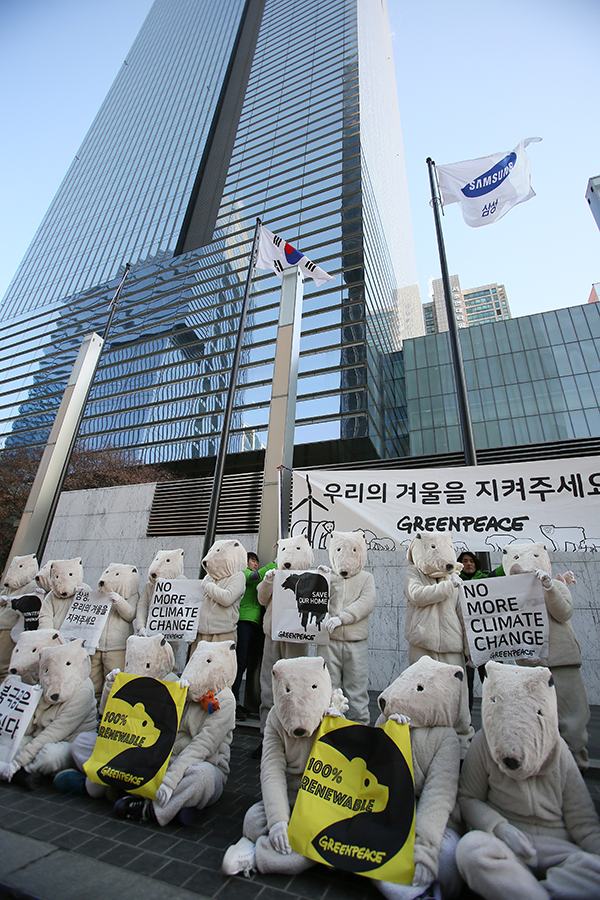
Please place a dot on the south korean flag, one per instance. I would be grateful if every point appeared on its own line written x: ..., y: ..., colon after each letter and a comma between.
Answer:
x: 276, y: 254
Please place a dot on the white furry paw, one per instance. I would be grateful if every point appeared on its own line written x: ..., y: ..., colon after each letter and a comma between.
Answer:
x: 4, y: 601
x: 544, y: 578
x: 567, y: 578
x: 334, y: 713
x: 279, y: 837
x: 339, y: 702
x: 52, y: 758
x: 324, y: 569
x: 456, y: 579
x: 163, y: 795
x: 112, y: 675
x: 423, y: 875
x: 142, y: 632
x: 333, y: 623
x: 401, y: 720
x: 184, y: 683
x: 7, y: 770
x: 270, y: 575
x: 519, y: 842
x: 115, y: 597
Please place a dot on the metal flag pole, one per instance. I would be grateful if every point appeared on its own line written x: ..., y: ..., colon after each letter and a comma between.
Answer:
x: 211, y: 523
x: 464, y: 412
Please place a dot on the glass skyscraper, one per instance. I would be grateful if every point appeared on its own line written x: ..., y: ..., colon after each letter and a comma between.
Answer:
x: 223, y: 111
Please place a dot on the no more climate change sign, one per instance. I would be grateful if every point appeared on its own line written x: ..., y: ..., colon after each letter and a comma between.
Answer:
x: 175, y: 608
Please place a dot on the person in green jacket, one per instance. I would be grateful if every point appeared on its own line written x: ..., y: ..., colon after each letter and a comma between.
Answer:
x: 471, y: 571
x: 249, y: 628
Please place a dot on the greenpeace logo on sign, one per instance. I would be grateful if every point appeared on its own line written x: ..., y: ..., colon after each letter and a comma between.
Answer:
x: 491, y: 179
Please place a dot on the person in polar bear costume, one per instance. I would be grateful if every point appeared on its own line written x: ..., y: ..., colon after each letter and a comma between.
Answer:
x: 536, y: 832
x: 224, y: 587
x: 302, y: 696
x: 434, y: 625
x: 42, y: 579
x: 428, y: 696
x: 67, y: 707
x: 19, y: 580
x: 121, y: 583
x: 66, y: 577
x: 293, y: 553
x: 166, y: 564
x: 564, y: 652
x: 151, y: 657
x: 351, y: 602
x: 199, y: 765
x: 25, y: 659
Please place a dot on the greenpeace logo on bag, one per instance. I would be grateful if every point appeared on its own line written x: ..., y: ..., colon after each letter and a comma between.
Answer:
x: 490, y: 180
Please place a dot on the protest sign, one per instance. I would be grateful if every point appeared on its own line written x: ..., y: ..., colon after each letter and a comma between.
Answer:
x: 18, y: 703
x: 175, y: 608
x: 485, y: 508
x: 505, y: 618
x: 355, y: 808
x: 137, y: 733
x: 300, y: 606
x: 86, y: 618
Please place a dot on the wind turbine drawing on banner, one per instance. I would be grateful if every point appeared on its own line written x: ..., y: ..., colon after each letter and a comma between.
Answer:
x: 309, y: 515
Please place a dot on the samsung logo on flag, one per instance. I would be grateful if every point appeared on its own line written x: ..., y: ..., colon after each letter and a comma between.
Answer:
x: 490, y: 180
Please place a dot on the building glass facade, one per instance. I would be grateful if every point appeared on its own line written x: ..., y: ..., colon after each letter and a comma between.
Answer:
x: 532, y: 379
x: 249, y: 117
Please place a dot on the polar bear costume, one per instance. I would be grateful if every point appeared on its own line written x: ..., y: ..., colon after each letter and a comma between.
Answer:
x: 302, y: 696
x: 66, y: 577
x: 564, y: 652
x: 293, y: 553
x: 121, y: 583
x: 67, y: 707
x: 199, y: 765
x: 166, y: 564
x: 537, y: 833
x: 19, y: 580
x: 224, y: 587
x: 351, y: 602
x: 25, y: 659
x: 429, y: 693
x: 434, y: 625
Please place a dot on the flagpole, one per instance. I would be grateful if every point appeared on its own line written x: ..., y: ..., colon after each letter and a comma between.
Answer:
x: 464, y: 412
x: 211, y: 523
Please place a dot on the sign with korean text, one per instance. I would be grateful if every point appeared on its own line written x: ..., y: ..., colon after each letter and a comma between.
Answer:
x: 175, y: 608
x: 18, y: 703
x: 505, y: 618
x: 485, y: 508
x: 86, y: 618
x: 137, y: 734
x: 300, y: 606
x: 355, y: 808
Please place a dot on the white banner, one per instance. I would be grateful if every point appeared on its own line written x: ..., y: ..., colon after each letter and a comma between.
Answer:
x: 18, y: 702
x: 175, y: 608
x: 86, y: 618
x: 505, y: 618
x: 300, y: 605
x: 484, y: 507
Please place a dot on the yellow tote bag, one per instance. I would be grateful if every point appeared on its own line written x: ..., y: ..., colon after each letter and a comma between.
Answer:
x: 137, y: 733
x: 355, y: 809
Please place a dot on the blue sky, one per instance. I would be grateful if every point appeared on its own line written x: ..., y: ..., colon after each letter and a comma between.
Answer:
x: 474, y: 77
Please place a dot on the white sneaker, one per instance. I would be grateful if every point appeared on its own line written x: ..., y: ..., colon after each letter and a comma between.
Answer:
x: 240, y: 857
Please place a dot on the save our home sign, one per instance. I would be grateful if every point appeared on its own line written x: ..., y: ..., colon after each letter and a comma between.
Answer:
x: 505, y: 618
x: 485, y: 508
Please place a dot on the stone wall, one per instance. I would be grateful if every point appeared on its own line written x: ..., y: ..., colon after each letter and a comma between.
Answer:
x: 109, y: 525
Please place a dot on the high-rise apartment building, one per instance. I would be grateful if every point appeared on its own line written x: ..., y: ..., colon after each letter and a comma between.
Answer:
x: 475, y: 306
x: 223, y: 111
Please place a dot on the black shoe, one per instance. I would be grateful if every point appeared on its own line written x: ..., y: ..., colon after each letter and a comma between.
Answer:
x: 136, y: 808
x: 240, y: 714
x: 257, y: 752
x: 31, y: 781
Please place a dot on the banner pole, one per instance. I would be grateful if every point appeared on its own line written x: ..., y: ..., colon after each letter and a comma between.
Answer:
x: 211, y: 523
x: 464, y: 412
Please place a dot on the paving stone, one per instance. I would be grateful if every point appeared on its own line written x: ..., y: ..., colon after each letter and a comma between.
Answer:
x: 206, y: 882
x: 147, y: 863
x: 177, y: 872
x: 159, y: 843
x: 96, y: 847
x: 240, y: 889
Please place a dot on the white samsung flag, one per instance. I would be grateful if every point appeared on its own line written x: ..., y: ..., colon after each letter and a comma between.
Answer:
x: 275, y: 253
x: 488, y: 187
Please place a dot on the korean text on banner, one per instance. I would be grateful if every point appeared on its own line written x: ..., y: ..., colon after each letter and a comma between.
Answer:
x: 556, y: 501
x: 300, y: 606
x: 175, y: 609
x: 86, y: 618
x: 18, y: 703
x: 355, y: 808
x: 505, y: 618
x: 488, y: 187
x: 137, y: 734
